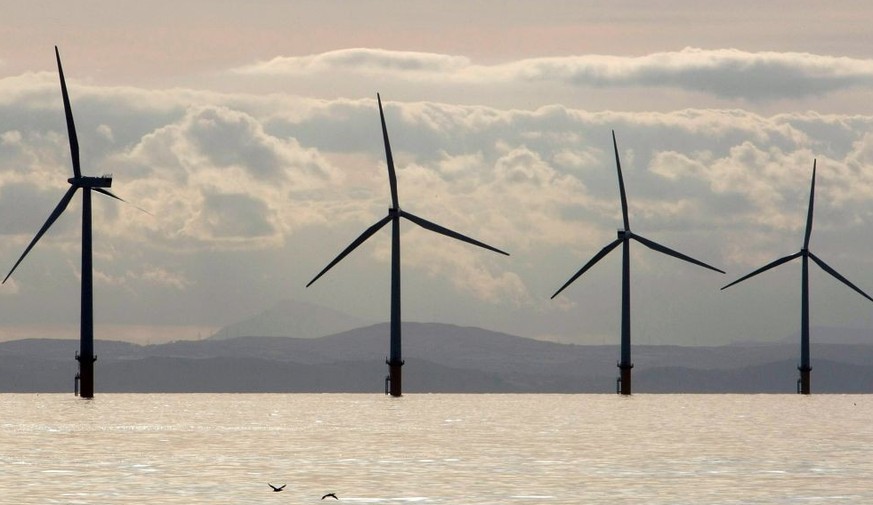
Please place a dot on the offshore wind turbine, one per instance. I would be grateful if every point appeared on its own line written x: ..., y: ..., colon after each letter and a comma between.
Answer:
x: 803, y: 383
x: 85, y: 356
x: 624, y: 237
x: 395, y: 362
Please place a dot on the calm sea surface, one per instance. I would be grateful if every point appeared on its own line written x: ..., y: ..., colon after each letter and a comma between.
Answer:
x: 436, y: 449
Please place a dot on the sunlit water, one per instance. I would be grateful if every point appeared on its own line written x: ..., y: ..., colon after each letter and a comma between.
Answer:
x: 436, y: 449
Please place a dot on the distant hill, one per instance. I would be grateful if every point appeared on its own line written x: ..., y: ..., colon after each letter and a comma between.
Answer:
x: 440, y: 358
x: 290, y: 318
x: 835, y: 335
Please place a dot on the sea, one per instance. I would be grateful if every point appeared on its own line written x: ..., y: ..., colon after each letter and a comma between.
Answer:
x: 436, y: 449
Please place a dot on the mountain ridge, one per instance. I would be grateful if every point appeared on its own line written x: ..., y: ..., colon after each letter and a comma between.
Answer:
x: 440, y: 358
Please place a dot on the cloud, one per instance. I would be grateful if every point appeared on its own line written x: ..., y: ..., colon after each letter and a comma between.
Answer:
x: 163, y: 277
x: 724, y: 73
x: 232, y: 139
x: 485, y: 280
x: 546, y: 177
x: 728, y: 73
x: 250, y: 195
x: 215, y: 175
x: 236, y: 215
x: 360, y: 60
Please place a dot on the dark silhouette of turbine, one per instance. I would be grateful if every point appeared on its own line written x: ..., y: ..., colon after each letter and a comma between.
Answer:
x: 803, y: 383
x: 624, y: 237
x: 85, y: 356
x: 395, y: 362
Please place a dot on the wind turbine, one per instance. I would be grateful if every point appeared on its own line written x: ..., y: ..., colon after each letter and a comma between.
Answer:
x: 85, y: 356
x: 803, y: 383
x: 395, y: 362
x: 624, y: 237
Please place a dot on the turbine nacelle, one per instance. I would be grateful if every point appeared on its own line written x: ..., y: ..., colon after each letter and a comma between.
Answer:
x: 624, y: 234
x: 104, y: 181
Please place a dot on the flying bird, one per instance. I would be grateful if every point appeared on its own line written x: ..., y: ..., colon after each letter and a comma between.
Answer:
x: 332, y: 495
x: 277, y: 489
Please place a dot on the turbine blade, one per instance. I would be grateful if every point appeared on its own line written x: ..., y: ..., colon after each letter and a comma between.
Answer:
x: 666, y: 250
x: 108, y: 193
x: 62, y: 205
x: 392, y: 177
x: 71, y: 127
x: 597, y: 257
x: 621, y: 185
x: 447, y: 232
x: 809, y: 212
x: 824, y: 266
x: 765, y: 268
x: 113, y: 195
x: 358, y: 241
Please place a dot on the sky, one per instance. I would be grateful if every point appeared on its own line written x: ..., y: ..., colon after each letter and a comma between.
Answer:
x: 249, y: 132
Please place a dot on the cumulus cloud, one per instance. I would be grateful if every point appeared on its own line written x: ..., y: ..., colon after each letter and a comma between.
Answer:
x: 242, y: 183
x: 725, y: 73
x: 232, y: 139
x: 216, y: 175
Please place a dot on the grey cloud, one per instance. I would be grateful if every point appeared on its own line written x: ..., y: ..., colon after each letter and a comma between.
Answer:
x: 725, y: 73
x: 360, y: 59
x: 229, y: 138
x: 514, y: 143
x: 728, y: 186
x: 236, y: 216
x: 278, y: 146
